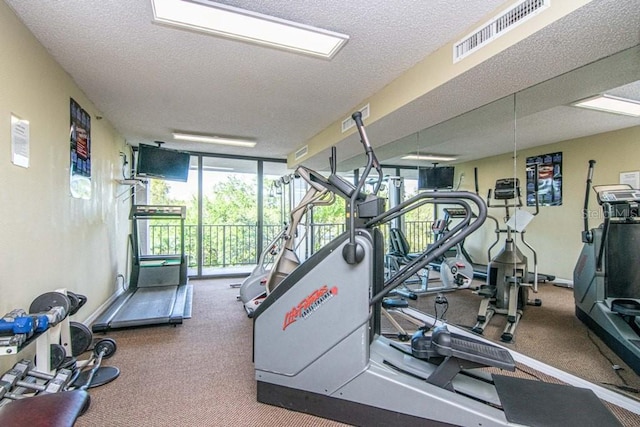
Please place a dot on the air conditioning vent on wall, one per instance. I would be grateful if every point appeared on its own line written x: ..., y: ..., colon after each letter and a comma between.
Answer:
x: 302, y: 152
x: 510, y: 19
x: 348, y: 123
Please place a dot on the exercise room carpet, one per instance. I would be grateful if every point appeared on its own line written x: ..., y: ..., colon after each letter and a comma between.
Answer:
x: 196, y: 374
x: 201, y: 374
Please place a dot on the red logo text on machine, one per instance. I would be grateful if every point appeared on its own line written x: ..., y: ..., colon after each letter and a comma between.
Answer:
x: 310, y: 304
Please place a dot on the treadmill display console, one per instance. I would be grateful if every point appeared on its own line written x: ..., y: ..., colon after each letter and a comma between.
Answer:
x: 145, y: 211
x: 619, y: 196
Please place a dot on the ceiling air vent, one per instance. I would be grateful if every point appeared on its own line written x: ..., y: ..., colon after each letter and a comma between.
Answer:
x: 348, y: 123
x: 508, y: 20
x: 302, y: 152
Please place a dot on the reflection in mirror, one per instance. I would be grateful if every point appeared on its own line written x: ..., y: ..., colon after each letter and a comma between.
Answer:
x: 541, y: 125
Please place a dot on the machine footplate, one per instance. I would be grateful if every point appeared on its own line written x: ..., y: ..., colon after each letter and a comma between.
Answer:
x: 445, y: 344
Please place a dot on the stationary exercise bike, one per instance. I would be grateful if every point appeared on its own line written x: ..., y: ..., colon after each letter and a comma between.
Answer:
x: 606, y: 279
x: 507, y: 289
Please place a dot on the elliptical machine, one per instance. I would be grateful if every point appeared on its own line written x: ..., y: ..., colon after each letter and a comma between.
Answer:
x: 606, y: 279
x: 507, y: 288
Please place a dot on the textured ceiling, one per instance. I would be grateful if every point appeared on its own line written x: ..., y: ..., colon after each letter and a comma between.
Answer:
x: 149, y: 80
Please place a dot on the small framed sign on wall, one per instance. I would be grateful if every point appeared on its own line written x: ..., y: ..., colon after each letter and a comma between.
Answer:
x: 19, y: 141
x: 631, y: 178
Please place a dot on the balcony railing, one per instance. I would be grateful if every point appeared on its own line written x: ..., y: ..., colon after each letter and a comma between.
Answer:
x: 235, y: 244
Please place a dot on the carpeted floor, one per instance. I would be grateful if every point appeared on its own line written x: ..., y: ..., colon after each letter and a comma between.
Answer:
x: 201, y: 374
x: 197, y: 374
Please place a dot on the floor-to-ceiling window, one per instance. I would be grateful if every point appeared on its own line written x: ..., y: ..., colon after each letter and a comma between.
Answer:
x: 229, y: 222
x: 236, y: 206
x: 232, y: 211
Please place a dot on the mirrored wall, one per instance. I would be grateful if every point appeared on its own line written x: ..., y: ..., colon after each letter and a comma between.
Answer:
x: 537, y: 142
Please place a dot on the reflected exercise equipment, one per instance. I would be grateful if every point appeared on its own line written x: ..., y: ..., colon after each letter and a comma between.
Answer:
x: 506, y: 290
x: 606, y: 278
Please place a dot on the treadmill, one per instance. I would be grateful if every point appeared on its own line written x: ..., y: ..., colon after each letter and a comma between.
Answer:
x: 159, y: 291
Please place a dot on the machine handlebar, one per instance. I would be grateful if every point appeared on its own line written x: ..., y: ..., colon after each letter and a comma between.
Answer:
x: 457, y: 234
x: 587, y: 236
x: 350, y: 253
x: 357, y: 118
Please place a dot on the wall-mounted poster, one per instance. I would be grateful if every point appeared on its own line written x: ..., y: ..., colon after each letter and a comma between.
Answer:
x: 549, y: 167
x: 80, y: 136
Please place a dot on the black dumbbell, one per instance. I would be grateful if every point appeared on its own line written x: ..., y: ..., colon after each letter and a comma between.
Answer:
x: 23, y: 375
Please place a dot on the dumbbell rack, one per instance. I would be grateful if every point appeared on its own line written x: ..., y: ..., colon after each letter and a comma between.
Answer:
x: 58, y: 334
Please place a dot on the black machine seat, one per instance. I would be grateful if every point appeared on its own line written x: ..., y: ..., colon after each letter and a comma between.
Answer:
x: 400, y: 246
x: 394, y: 303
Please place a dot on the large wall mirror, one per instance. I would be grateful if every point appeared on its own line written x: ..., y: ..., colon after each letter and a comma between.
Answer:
x: 542, y: 126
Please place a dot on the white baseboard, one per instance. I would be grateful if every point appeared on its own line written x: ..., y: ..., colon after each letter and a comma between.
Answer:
x: 93, y: 316
x: 566, y: 283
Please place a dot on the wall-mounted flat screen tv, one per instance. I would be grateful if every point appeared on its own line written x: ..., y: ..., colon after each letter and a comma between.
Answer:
x: 436, y: 178
x: 162, y: 163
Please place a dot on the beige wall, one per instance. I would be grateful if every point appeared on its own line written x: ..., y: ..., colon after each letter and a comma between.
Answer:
x: 49, y: 239
x: 555, y: 232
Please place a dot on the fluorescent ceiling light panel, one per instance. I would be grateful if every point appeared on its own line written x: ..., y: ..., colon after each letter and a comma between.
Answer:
x: 217, y: 168
x: 429, y: 157
x: 611, y: 104
x: 231, y: 22
x: 214, y: 140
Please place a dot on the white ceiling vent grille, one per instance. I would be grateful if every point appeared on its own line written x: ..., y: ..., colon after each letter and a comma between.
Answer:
x: 348, y: 123
x: 302, y: 152
x: 508, y: 20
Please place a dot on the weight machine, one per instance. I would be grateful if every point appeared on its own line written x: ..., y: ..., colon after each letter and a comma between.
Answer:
x: 606, y: 279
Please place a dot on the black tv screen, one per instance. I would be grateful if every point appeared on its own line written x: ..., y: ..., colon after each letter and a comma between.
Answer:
x: 435, y: 178
x: 162, y: 163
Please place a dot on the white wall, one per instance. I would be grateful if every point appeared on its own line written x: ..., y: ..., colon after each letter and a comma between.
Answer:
x: 555, y: 232
x: 49, y: 239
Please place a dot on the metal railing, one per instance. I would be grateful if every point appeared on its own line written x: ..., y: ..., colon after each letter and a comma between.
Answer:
x: 232, y: 245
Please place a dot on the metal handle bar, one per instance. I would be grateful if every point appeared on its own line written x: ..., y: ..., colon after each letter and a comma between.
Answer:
x: 450, y: 239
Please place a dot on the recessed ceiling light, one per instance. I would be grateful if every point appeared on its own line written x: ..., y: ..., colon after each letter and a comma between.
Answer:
x: 217, y: 168
x: 211, y: 139
x: 436, y: 157
x: 611, y: 104
x: 231, y: 22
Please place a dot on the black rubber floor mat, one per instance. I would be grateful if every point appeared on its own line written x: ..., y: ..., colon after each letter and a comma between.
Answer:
x: 536, y: 403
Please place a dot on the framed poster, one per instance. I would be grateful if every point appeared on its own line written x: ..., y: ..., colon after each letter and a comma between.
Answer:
x: 549, y: 168
x: 80, y: 139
